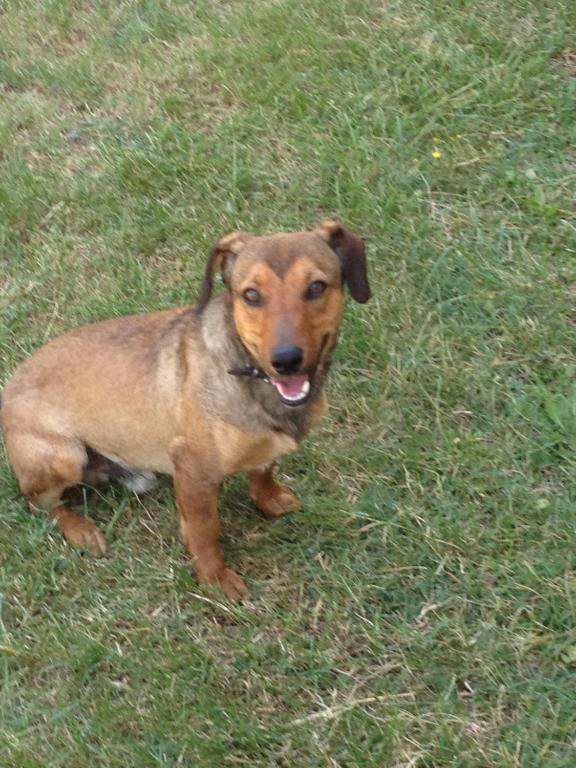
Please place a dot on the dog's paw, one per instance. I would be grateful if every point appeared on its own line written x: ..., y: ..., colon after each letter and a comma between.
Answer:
x: 83, y: 532
x: 233, y: 585
x: 230, y: 582
x: 277, y: 502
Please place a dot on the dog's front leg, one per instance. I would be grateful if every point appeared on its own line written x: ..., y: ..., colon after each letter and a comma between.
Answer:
x: 196, y: 496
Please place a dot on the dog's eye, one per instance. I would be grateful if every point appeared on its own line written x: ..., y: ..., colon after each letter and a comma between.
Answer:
x: 252, y: 297
x: 316, y: 289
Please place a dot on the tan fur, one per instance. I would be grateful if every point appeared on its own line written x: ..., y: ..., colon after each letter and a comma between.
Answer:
x: 240, y: 451
x: 152, y: 393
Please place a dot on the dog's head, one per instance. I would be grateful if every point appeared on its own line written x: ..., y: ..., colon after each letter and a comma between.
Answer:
x: 287, y: 297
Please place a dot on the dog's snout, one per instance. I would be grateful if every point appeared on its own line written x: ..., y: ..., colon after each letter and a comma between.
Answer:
x: 287, y: 359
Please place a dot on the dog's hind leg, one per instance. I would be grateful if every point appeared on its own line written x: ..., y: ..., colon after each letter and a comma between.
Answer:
x: 269, y: 496
x: 45, y: 465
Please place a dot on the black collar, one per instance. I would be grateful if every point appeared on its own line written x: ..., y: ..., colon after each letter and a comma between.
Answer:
x: 249, y: 370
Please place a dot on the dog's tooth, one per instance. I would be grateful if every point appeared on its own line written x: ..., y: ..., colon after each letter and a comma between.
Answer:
x: 306, y: 388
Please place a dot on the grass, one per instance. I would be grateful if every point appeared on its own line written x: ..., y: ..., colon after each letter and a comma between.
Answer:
x: 420, y: 611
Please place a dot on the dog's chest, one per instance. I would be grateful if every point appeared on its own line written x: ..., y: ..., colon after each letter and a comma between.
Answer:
x: 240, y: 451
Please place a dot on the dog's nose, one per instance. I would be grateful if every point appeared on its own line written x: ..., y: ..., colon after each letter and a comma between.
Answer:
x: 287, y: 359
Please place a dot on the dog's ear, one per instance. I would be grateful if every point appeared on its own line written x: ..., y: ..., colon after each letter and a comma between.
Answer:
x: 222, y: 258
x: 350, y: 250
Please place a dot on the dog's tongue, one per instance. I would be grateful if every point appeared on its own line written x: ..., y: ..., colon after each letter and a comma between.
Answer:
x: 292, y: 387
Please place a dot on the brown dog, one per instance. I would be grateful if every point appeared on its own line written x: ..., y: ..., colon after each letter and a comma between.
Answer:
x: 202, y: 393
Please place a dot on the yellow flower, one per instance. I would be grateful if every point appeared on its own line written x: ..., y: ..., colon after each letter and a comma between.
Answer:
x: 436, y: 154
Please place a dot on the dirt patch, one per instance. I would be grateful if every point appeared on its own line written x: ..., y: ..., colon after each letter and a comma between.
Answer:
x: 567, y: 61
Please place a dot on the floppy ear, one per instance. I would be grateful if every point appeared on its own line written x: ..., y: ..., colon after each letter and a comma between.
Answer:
x: 222, y: 257
x: 350, y: 250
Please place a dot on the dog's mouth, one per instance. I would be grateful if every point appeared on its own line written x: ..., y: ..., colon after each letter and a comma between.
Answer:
x: 293, y: 390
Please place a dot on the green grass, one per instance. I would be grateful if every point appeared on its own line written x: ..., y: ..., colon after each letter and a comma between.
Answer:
x: 420, y: 611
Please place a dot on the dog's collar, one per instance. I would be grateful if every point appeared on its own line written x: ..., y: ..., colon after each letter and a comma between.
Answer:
x: 250, y: 371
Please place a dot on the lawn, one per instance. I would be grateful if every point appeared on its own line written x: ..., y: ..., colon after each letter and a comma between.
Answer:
x: 420, y: 611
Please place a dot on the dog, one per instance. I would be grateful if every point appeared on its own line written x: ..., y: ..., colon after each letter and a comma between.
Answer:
x: 199, y: 393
